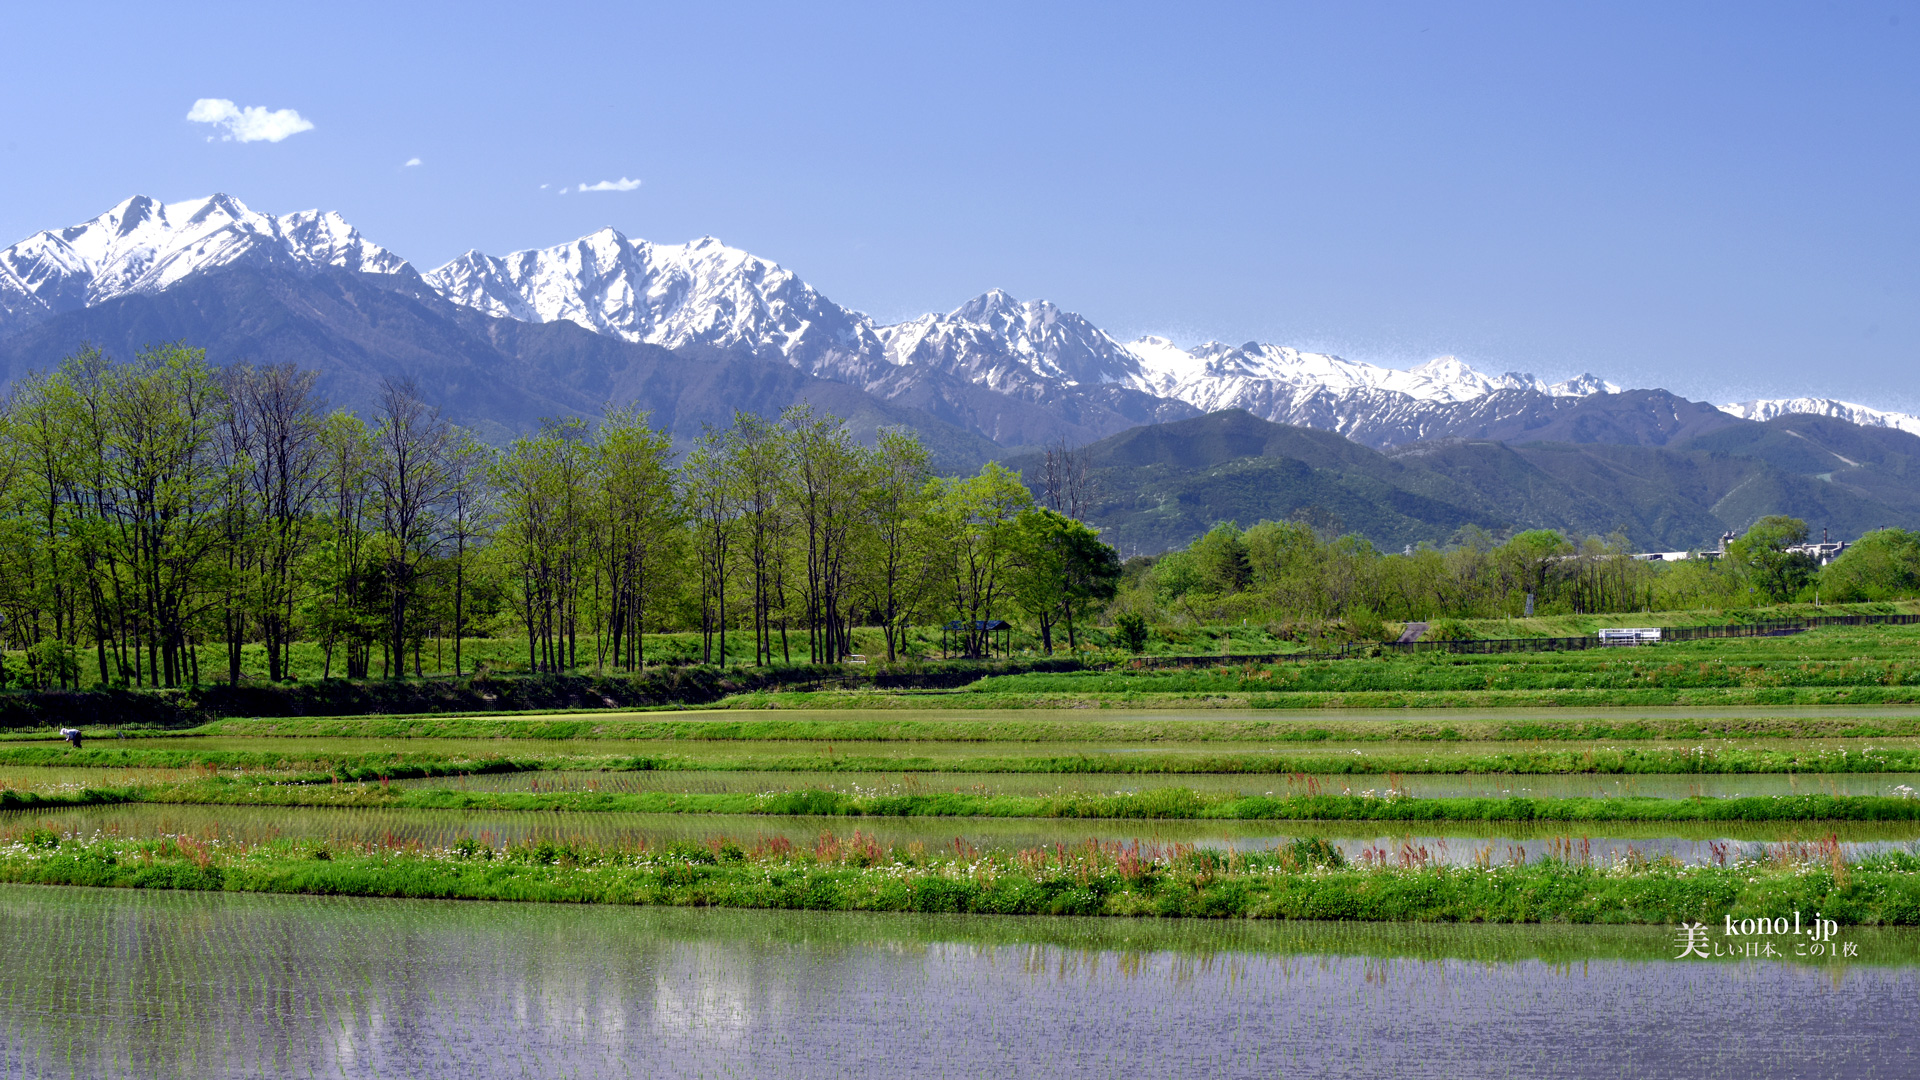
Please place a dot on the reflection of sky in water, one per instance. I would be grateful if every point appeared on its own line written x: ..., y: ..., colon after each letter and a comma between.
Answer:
x: 205, y: 985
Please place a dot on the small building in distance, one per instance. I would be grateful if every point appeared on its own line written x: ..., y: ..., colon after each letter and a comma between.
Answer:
x: 1683, y: 556
x: 1822, y: 553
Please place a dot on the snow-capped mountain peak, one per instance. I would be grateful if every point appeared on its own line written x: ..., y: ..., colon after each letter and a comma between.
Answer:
x: 1582, y: 385
x: 705, y: 293
x: 1011, y: 345
x: 143, y: 245
x: 1162, y: 363
x: 698, y: 293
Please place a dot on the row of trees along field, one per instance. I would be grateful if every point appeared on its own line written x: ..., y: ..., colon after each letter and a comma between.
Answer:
x: 155, y: 510
x: 1288, y: 571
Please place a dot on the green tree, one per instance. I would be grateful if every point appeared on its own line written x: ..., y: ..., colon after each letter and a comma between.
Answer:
x: 977, y: 515
x: 412, y: 474
x: 1221, y: 556
x: 1882, y: 565
x: 712, y: 509
x: 758, y: 463
x: 826, y: 489
x: 1762, y: 554
x: 544, y: 513
x: 903, y: 541
x: 342, y: 613
x: 1527, y: 560
x: 642, y: 543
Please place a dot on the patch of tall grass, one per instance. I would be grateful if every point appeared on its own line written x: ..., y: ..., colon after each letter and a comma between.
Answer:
x: 1307, y: 880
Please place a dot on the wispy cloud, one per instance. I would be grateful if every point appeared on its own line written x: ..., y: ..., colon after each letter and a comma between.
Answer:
x: 253, y: 123
x: 411, y: 162
x: 622, y: 184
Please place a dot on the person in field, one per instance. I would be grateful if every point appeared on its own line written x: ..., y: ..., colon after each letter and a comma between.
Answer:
x: 72, y: 735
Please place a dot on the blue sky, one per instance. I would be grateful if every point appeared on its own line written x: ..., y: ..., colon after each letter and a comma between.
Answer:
x: 1723, y: 199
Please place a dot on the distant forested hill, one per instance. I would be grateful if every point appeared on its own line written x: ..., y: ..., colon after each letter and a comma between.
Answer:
x: 1159, y: 486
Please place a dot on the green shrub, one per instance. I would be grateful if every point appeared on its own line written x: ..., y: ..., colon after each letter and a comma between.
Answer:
x: 1315, y: 851
x: 1131, y: 630
x: 1364, y: 624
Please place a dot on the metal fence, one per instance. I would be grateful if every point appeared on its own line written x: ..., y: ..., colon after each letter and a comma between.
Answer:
x: 1772, y: 628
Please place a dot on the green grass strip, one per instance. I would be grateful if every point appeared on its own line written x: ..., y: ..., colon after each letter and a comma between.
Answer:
x: 858, y: 876
x: 1078, y: 727
x: 1158, y: 804
x: 1145, y: 696
x: 400, y: 765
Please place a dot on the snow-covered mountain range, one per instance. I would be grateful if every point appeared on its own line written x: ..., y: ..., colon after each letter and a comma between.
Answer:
x: 143, y: 245
x: 1844, y: 410
x: 707, y: 294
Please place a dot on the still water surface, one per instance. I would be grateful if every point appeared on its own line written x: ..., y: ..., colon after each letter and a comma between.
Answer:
x: 130, y: 984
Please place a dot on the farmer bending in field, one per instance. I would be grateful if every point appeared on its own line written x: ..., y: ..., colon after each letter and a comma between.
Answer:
x: 72, y: 735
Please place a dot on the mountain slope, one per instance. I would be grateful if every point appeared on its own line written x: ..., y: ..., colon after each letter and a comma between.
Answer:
x: 1016, y: 372
x: 1877, y: 463
x: 1161, y: 486
x: 499, y: 377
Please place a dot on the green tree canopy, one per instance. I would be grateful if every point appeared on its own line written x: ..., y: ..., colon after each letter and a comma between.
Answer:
x: 1882, y: 565
x: 1762, y: 554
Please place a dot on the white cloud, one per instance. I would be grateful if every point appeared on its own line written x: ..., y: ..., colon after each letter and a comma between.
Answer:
x: 622, y: 184
x: 411, y: 162
x: 251, y: 124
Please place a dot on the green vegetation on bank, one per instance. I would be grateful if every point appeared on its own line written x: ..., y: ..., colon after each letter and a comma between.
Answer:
x: 1827, y: 665
x: 1835, y: 665
x: 1070, y: 726
x: 1297, y: 580
x: 1172, y: 803
x: 1307, y: 880
x: 365, y: 764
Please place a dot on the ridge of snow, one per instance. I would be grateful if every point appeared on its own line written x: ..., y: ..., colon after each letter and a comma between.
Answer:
x: 705, y: 293
x: 1012, y: 345
x: 144, y: 246
x: 1769, y: 408
x: 673, y: 295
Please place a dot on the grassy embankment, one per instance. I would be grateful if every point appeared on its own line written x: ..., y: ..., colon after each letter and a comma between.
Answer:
x: 1158, y: 804
x: 1829, y: 666
x: 1308, y: 880
x: 1032, y: 726
x: 1812, y: 758
x: 1835, y: 665
x: 307, y: 660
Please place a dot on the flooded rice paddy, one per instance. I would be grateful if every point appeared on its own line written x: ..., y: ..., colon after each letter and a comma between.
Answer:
x: 916, y: 781
x: 111, y: 984
x: 933, y: 753
x: 1457, y: 844
x: 1417, y: 785
x: 108, y: 984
